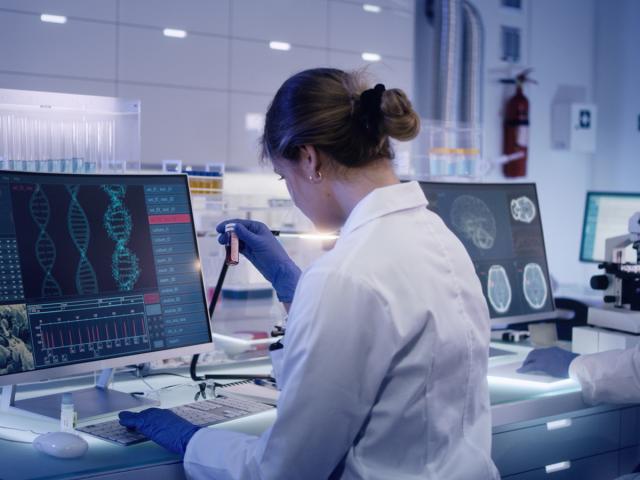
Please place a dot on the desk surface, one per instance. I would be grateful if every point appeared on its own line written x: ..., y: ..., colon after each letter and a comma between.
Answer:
x: 511, y: 403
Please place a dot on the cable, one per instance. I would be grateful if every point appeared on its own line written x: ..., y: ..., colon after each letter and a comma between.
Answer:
x: 13, y: 440
x: 156, y: 374
x: 22, y: 430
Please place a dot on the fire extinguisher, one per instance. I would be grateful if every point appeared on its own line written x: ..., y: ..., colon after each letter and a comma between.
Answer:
x: 516, y: 128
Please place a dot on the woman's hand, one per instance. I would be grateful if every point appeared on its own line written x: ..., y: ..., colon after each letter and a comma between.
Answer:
x: 264, y: 251
x: 553, y: 361
x: 162, y: 426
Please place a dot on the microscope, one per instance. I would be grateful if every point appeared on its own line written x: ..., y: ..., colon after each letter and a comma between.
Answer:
x: 616, y: 324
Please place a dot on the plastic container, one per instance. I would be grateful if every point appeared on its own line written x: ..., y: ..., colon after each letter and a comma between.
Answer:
x: 65, y: 133
x: 205, y: 183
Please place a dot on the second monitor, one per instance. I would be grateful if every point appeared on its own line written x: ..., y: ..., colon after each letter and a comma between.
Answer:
x: 500, y: 226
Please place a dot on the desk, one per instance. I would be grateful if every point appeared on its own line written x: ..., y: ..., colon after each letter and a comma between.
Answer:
x: 533, y: 428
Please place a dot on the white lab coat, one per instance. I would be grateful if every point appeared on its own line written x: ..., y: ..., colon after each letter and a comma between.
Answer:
x: 384, y: 363
x: 609, y: 377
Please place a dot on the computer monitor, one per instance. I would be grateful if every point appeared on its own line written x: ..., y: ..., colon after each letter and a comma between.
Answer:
x: 606, y: 215
x: 500, y: 226
x: 96, y: 271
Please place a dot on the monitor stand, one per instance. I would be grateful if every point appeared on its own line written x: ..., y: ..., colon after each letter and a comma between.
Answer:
x: 90, y: 403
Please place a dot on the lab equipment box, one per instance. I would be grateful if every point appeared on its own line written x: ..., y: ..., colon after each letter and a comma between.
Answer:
x: 573, y: 127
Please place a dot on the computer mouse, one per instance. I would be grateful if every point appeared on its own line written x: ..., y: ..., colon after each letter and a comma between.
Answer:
x: 61, y: 444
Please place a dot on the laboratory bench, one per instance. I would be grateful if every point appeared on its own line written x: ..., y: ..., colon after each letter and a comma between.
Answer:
x: 540, y: 430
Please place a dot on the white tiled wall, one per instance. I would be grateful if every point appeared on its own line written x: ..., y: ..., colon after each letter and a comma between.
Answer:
x: 196, y: 92
x: 77, y: 49
x: 203, y: 16
x: 147, y: 56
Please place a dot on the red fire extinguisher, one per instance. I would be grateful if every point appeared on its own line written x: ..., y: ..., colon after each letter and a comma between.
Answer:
x: 516, y: 128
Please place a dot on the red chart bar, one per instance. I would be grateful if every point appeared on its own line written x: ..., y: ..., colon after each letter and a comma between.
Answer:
x: 176, y: 218
x: 150, y: 298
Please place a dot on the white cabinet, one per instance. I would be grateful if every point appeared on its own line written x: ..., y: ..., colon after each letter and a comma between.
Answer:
x: 246, y: 124
x: 302, y: 22
x: 257, y: 68
x: 75, y: 49
x: 190, y: 125
x: 91, y: 9
x: 146, y: 55
x: 206, y: 16
x: 55, y: 84
x: 389, y: 32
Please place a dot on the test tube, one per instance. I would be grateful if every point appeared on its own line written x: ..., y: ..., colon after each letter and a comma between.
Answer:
x: 232, y: 246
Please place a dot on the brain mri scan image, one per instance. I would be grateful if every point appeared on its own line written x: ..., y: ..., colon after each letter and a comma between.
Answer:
x: 499, y: 289
x: 523, y: 209
x: 534, y: 286
x: 474, y: 220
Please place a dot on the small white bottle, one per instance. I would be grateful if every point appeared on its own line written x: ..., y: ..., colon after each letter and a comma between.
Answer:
x: 68, y: 414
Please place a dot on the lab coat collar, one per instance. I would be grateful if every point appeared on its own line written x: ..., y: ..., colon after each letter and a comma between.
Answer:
x: 383, y: 201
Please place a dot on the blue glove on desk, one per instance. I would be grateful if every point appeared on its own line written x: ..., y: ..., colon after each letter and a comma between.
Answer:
x: 553, y: 361
x: 162, y: 426
x: 264, y: 251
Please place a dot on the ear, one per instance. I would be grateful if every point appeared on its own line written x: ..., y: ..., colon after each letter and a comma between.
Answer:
x: 310, y: 162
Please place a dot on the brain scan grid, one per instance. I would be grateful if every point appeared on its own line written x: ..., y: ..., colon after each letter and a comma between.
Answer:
x: 500, y: 227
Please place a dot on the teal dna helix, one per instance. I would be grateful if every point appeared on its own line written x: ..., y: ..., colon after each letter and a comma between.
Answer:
x: 80, y: 232
x: 125, y: 267
x: 45, y: 249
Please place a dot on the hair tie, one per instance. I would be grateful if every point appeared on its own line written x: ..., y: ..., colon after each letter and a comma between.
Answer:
x: 370, y: 106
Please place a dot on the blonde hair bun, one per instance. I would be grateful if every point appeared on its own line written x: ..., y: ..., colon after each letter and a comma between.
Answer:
x: 400, y: 121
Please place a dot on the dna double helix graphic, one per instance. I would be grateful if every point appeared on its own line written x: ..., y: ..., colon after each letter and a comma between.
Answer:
x: 45, y: 249
x: 78, y: 225
x: 117, y: 222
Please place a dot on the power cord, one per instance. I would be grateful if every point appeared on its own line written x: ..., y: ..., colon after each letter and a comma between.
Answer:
x: 13, y: 440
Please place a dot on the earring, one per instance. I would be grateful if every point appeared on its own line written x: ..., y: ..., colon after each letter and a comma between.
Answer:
x: 317, y: 179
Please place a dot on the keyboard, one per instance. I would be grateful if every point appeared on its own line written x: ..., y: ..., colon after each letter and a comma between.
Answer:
x: 202, y: 414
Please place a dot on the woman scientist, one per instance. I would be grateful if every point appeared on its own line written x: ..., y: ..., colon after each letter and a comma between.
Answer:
x: 383, y: 370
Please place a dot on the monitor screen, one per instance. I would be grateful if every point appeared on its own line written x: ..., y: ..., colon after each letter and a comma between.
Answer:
x: 500, y: 226
x: 606, y: 215
x: 96, y: 267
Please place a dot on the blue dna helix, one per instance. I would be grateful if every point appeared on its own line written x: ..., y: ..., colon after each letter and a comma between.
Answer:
x: 125, y: 267
x: 45, y: 249
x: 80, y: 232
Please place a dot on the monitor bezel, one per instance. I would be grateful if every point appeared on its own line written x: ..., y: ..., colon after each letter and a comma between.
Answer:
x: 528, y: 317
x: 55, y: 372
x: 584, y: 218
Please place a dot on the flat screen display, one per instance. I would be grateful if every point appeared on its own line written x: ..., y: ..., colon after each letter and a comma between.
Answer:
x: 500, y: 226
x: 606, y: 215
x: 94, y: 267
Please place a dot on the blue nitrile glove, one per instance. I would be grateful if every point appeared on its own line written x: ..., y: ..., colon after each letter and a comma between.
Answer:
x: 553, y: 361
x: 162, y: 426
x: 264, y: 251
